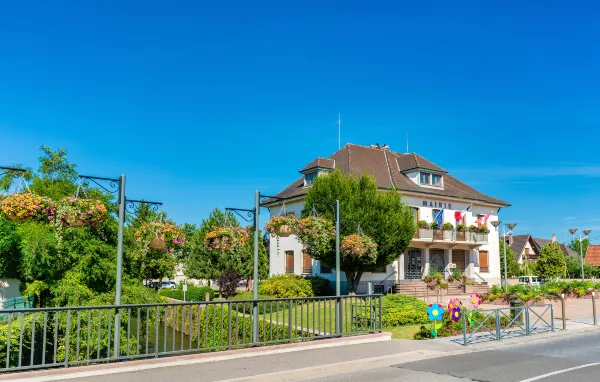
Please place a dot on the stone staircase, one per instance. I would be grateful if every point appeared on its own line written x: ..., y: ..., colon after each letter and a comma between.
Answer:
x: 419, y: 289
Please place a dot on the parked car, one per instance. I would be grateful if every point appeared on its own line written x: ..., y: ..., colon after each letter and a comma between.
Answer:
x: 168, y: 285
x: 529, y: 280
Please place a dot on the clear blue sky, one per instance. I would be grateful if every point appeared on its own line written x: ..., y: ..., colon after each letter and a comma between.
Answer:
x: 199, y: 103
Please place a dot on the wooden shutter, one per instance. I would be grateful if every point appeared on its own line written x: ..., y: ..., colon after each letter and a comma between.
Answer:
x: 484, y: 265
x: 289, y: 261
x: 306, y: 264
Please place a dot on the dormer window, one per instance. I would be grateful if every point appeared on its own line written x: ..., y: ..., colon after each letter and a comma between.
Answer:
x: 309, y: 179
x: 432, y: 180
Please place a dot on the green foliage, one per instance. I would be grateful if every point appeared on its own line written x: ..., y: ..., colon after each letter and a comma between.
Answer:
x: 551, y: 263
x: 513, y: 268
x: 320, y: 286
x: 383, y: 216
x: 424, y: 333
x: 286, y: 286
x: 403, y: 310
x: 9, y: 249
x: 194, y: 293
x: 263, y: 307
x: 204, y: 264
x: 574, y: 245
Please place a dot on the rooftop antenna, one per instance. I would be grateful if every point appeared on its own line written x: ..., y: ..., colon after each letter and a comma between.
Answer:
x: 407, y: 142
x: 339, y: 131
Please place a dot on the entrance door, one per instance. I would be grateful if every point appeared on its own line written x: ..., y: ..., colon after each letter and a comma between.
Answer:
x: 289, y: 261
x: 458, y: 258
x: 436, y: 260
x: 413, y: 266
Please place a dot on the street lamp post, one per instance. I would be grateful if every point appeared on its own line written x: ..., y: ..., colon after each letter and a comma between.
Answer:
x: 118, y: 186
x: 504, y: 234
x: 581, y: 239
x: 252, y: 215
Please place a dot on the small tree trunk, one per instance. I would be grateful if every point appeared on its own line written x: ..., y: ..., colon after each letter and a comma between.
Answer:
x: 353, y: 278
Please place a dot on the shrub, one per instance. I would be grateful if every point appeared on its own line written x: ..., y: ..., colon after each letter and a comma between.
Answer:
x: 551, y: 263
x: 447, y: 227
x: 228, y: 282
x: 422, y: 224
x: 320, y: 286
x: 263, y: 307
x: 286, y: 286
x: 423, y: 334
x: 193, y: 294
x: 403, y: 310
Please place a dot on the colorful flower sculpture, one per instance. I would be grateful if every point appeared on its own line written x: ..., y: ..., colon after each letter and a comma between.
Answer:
x: 456, y: 314
x: 475, y: 300
x: 435, y: 312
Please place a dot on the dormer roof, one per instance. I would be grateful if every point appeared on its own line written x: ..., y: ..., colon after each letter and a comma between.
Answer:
x: 319, y: 163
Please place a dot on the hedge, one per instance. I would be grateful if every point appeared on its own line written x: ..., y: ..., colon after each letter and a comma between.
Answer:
x: 263, y: 307
x: 193, y: 294
x: 401, y: 310
x: 286, y: 286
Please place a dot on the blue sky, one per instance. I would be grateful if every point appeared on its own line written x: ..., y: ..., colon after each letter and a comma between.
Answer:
x: 200, y: 103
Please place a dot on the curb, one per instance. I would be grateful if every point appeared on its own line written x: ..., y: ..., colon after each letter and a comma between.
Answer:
x: 132, y: 366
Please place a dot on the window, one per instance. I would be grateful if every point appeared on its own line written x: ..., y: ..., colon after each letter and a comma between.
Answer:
x: 425, y: 178
x: 434, y: 214
x: 289, y: 261
x: 436, y: 180
x: 484, y: 265
x: 416, y: 214
x: 325, y: 268
x: 309, y: 178
x: 306, y: 264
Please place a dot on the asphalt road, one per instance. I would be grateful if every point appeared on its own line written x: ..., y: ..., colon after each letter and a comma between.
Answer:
x: 570, y: 359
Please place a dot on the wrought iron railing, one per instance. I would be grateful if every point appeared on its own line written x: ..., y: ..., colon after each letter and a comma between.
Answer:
x: 497, y: 324
x: 63, y: 337
x: 450, y: 235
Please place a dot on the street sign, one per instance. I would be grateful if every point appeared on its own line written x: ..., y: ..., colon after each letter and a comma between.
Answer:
x: 452, y: 265
x: 185, y: 287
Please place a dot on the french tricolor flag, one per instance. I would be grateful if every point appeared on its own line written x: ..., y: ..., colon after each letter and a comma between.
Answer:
x: 459, y: 215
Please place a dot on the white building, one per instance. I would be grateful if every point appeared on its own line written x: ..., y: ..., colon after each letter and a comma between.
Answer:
x: 423, y: 185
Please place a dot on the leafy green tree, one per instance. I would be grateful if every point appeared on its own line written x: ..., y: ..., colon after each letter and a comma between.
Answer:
x: 513, y: 268
x: 382, y: 215
x: 204, y: 264
x: 551, y: 263
x: 9, y: 249
x: 574, y: 245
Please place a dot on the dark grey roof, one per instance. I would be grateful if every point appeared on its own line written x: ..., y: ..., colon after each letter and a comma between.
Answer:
x: 519, y: 242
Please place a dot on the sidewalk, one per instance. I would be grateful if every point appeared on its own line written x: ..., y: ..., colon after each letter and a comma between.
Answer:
x: 285, y: 365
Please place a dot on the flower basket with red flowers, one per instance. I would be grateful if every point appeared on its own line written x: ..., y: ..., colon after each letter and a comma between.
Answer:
x: 282, y: 226
x: 27, y: 207
x: 360, y: 247
x: 226, y: 238
x: 316, y: 233
x: 161, y: 236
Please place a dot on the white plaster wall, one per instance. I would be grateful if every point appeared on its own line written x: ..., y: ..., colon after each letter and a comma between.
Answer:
x: 9, y: 288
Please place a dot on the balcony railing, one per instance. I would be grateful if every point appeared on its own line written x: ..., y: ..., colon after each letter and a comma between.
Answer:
x: 451, y: 236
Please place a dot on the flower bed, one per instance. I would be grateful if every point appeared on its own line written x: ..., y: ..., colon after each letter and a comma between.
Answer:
x: 282, y: 226
x: 75, y: 212
x: 226, y: 238
x: 157, y: 235
x: 27, y: 206
x: 316, y: 233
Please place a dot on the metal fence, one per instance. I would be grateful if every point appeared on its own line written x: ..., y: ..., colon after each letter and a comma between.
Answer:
x: 497, y: 324
x: 62, y: 337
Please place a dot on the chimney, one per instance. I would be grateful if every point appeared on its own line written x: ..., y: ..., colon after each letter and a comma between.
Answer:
x: 553, y: 239
x: 510, y: 239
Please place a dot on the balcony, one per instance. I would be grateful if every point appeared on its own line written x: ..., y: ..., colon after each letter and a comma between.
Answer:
x: 461, y: 237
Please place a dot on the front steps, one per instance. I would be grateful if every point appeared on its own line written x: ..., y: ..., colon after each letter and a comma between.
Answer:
x: 418, y: 288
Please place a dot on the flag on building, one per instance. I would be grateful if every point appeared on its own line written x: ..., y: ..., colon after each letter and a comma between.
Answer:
x: 439, y: 218
x: 483, y: 219
x: 459, y: 215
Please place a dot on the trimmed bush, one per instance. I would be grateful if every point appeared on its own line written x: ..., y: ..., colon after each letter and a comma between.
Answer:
x: 263, y: 308
x: 193, y: 294
x: 401, y: 310
x: 286, y: 286
x: 320, y: 286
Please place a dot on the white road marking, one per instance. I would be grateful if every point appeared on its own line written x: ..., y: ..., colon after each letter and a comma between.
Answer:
x: 560, y: 372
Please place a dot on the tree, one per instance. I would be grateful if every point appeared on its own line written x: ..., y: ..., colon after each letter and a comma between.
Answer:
x: 574, y: 245
x: 382, y: 215
x: 204, y: 264
x: 551, y: 263
x: 513, y: 268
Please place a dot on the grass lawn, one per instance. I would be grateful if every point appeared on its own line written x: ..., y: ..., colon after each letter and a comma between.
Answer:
x: 403, y: 332
x: 319, y: 316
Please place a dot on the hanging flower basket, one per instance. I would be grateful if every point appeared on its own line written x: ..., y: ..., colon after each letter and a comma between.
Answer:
x: 27, y: 207
x: 76, y: 212
x: 316, y: 233
x: 226, y: 238
x: 160, y: 236
x: 360, y: 247
x: 282, y: 226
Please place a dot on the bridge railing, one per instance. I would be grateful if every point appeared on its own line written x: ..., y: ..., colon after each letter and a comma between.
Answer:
x: 63, y: 337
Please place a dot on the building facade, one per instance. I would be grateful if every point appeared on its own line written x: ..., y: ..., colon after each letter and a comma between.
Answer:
x: 427, y: 189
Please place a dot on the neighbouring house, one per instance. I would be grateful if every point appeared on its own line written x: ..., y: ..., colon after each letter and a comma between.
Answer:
x: 529, y: 248
x: 427, y: 188
x: 592, y: 255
